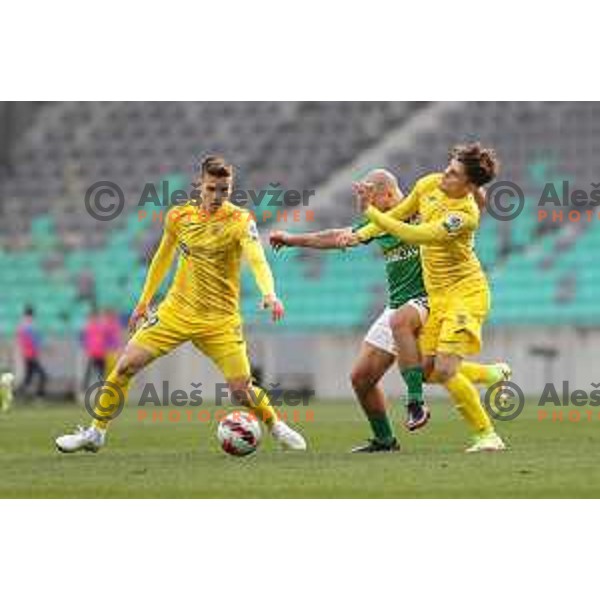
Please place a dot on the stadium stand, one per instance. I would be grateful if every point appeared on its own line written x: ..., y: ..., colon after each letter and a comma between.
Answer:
x: 56, y: 251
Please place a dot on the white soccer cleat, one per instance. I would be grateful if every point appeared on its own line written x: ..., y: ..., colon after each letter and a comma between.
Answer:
x: 287, y: 437
x: 506, y: 371
x: 489, y: 442
x: 90, y: 440
x: 6, y: 391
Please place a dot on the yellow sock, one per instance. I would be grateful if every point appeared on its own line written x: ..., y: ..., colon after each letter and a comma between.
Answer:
x: 261, y: 406
x: 478, y: 373
x: 111, y: 399
x: 466, y: 399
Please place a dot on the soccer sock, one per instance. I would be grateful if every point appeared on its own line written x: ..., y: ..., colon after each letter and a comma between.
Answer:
x: 466, y: 399
x: 478, y: 373
x: 260, y: 406
x: 110, y: 400
x: 382, y: 427
x: 413, y: 378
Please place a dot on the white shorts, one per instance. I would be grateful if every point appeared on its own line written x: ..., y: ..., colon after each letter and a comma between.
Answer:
x: 380, y: 335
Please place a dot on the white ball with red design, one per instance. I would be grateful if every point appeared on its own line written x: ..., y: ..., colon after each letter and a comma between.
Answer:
x: 239, y: 433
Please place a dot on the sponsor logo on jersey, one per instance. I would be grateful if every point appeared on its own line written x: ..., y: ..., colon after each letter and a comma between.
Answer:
x: 401, y: 253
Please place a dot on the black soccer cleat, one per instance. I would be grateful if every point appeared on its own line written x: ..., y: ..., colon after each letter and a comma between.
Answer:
x: 377, y: 446
x: 417, y: 416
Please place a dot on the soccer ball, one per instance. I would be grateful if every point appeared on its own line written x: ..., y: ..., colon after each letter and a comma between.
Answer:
x: 239, y: 433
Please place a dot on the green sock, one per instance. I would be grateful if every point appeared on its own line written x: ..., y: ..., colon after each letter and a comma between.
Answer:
x: 414, y: 382
x: 382, y: 428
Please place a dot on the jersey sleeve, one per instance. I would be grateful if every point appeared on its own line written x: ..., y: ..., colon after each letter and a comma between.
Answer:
x: 162, y: 260
x: 438, y: 232
x: 172, y: 220
x: 254, y: 253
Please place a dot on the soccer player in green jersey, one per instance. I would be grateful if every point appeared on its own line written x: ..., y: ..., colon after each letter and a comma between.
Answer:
x: 394, y: 335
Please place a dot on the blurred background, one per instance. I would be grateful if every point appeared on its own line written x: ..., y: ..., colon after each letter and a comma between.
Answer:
x: 81, y: 277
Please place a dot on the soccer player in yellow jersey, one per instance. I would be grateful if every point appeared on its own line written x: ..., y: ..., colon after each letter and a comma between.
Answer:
x: 459, y: 297
x: 202, y: 305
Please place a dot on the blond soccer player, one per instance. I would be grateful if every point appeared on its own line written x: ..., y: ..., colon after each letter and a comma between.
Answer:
x: 202, y: 305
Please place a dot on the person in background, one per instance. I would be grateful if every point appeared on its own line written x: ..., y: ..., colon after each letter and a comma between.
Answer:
x: 29, y: 342
x: 94, y: 341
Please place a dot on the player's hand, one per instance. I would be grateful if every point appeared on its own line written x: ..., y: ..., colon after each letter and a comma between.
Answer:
x: 272, y: 302
x: 279, y: 239
x: 139, y: 313
x: 364, y: 193
x: 346, y: 239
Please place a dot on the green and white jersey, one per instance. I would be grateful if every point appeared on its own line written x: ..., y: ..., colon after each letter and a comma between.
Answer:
x: 402, y: 266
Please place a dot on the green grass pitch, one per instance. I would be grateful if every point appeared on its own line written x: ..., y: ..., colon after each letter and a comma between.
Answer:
x: 183, y: 460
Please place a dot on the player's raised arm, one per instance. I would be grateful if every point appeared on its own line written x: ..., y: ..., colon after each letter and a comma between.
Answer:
x: 159, y: 267
x: 437, y: 232
x: 255, y: 255
x: 327, y: 239
x: 367, y: 195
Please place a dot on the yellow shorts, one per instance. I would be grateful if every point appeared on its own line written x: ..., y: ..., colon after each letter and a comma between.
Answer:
x: 221, y: 341
x: 454, y: 324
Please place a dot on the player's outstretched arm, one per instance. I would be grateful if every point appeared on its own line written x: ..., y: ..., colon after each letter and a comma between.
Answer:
x: 327, y: 239
x: 159, y: 267
x: 437, y: 232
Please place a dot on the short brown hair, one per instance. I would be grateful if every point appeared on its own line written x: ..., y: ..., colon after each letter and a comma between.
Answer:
x: 216, y: 166
x: 481, y: 164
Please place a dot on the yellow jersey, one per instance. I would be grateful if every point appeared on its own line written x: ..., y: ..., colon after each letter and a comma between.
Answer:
x: 446, y: 234
x: 206, y: 286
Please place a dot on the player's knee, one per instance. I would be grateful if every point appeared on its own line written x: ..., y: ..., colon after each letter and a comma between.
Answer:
x: 123, y: 367
x: 443, y: 371
x: 429, y: 369
x: 360, y: 379
x: 128, y: 366
x: 404, y: 323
